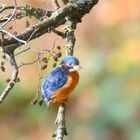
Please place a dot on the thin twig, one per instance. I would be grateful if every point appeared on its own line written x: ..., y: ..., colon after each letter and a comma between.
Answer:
x: 4, y: 7
x: 59, y: 33
x: 40, y: 75
x: 19, y: 40
x: 13, y: 14
x: 40, y: 66
x: 29, y: 63
x: 23, y: 11
x: 22, y: 51
x: 27, y: 41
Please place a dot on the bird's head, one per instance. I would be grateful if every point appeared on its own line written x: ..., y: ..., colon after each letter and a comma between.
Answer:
x: 70, y: 63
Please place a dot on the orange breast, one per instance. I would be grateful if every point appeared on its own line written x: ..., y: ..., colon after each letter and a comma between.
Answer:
x: 62, y: 94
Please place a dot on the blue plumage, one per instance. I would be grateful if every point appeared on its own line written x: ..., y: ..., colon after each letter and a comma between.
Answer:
x: 53, y: 81
x: 70, y: 60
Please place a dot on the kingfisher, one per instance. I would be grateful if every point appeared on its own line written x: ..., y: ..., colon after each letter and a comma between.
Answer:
x: 61, y: 81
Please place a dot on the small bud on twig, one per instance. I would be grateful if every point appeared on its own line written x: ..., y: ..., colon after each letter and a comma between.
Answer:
x: 7, y: 80
x: 40, y: 102
x: 34, y: 101
x: 15, y: 33
x: 3, y: 56
x: 27, y: 24
x: 58, y: 55
x: 17, y: 80
x: 55, y: 58
x: 12, y: 84
x: 2, y: 63
x: 54, y: 65
x: 44, y: 67
x: 58, y: 47
x: 45, y: 60
x: 10, y: 27
x: 2, y: 69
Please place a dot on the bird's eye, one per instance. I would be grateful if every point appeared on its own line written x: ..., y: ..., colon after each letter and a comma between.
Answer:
x: 71, y: 65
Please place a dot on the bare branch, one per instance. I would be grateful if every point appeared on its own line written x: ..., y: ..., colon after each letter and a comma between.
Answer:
x: 12, y: 82
x: 69, y: 29
x: 75, y: 10
x: 23, y: 11
x: 60, y: 121
x: 12, y: 15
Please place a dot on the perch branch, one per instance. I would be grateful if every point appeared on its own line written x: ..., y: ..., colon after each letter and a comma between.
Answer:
x: 70, y: 26
x: 60, y: 121
x: 69, y: 30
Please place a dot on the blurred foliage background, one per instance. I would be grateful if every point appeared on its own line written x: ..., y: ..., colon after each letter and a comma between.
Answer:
x: 106, y: 103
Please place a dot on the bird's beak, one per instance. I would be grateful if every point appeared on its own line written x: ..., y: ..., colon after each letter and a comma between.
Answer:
x: 77, y: 67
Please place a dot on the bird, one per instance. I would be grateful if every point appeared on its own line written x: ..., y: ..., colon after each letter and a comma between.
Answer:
x: 61, y: 81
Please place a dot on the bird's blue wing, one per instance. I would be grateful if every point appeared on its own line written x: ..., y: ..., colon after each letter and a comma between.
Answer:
x: 53, y: 81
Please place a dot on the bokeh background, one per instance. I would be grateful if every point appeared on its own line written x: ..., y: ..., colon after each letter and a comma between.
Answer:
x: 106, y: 103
